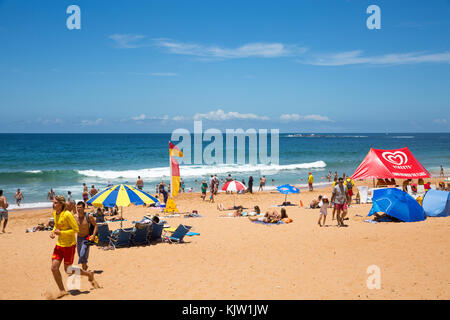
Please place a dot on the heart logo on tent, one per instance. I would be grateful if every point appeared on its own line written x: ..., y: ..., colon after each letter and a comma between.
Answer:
x: 398, y: 157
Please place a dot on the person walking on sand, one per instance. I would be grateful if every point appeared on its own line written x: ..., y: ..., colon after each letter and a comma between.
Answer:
x: 19, y: 197
x: 262, y: 182
x: 442, y: 171
x: 140, y: 183
x: 323, y: 211
x: 51, y: 195
x: 204, y: 187
x: 340, y: 198
x: 250, y: 184
x: 65, y: 229
x: 3, y: 210
x: 86, y: 234
x: 349, y: 183
x: 216, y: 184
x: 310, y: 181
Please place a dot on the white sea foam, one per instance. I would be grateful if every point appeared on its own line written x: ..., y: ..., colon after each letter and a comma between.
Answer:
x: 33, y: 171
x: 199, y: 170
x: 403, y: 137
x: 32, y: 205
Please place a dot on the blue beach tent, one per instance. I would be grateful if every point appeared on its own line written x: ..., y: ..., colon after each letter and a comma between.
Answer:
x: 436, y: 203
x: 397, y: 204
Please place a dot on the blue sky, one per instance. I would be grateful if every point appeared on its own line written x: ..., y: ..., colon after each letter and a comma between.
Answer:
x: 153, y: 66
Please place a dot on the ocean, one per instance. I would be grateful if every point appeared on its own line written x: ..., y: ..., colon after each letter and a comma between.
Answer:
x: 37, y: 162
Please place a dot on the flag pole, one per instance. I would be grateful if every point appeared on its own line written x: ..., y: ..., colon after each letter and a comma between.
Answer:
x: 170, y: 179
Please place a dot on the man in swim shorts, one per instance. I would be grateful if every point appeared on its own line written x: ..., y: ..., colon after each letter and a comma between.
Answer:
x: 340, y: 199
x: 140, y: 183
x: 19, y: 197
x: 65, y: 228
x: 3, y: 210
x: 86, y: 234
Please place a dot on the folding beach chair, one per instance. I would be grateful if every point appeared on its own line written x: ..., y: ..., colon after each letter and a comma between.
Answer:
x: 103, y: 233
x: 121, y: 238
x: 140, y: 236
x: 178, y: 234
x: 363, y: 193
x: 157, y: 229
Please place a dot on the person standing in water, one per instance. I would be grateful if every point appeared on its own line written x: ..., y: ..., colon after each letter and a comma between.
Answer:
x: 140, y: 183
x: 50, y: 195
x: 19, y: 197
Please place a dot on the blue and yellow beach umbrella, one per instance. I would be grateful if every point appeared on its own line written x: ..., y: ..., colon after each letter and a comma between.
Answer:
x: 121, y: 195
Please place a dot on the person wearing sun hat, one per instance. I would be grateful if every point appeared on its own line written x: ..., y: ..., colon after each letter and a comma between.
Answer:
x: 65, y: 228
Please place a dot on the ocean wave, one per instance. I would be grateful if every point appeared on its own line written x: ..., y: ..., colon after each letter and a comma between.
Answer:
x: 40, y: 175
x: 403, y: 137
x: 31, y: 205
x: 199, y: 171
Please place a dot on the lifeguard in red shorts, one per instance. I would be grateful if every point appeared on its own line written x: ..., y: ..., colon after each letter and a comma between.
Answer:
x: 65, y: 228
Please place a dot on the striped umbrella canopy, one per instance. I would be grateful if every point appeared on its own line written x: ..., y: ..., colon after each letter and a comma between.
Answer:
x: 121, y: 195
x: 233, y: 186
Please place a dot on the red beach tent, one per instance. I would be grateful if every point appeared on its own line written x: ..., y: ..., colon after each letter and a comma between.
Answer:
x: 397, y: 163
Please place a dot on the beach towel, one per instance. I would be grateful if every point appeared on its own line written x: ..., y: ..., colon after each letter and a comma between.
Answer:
x: 269, y: 223
x: 192, y: 215
x: 370, y: 221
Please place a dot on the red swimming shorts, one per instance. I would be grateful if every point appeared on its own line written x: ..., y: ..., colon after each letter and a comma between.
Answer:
x: 350, y: 192
x: 64, y: 253
x: 340, y: 206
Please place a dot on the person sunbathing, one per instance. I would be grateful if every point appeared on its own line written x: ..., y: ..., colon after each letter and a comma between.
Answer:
x: 220, y: 207
x: 236, y: 213
x: 271, y: 216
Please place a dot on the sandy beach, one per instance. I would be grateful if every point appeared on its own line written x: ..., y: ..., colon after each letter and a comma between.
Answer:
x: 233, y: 258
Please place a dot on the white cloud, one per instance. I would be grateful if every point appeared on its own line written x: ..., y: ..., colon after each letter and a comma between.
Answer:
x: 298, y: 117
x: 127, y: 41
x: 91, y: 122
x: 357, y: 57
x: 49, y: 121
x: 255, y: 49
x: 220, y: 115
x: 441, y: 121
x: 139, y: 118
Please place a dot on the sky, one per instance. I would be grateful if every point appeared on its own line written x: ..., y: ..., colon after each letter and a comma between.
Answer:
x: 154, y: 66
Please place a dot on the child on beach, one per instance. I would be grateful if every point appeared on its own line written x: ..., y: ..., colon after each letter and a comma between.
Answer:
x: 211, y: 197
x: 323, y: 211
x: 204, y: 187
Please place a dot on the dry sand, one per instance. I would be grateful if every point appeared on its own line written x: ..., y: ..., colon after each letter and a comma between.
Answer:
x: 236, y: 259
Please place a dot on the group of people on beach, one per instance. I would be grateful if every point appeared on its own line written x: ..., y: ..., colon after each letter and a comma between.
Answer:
x: 341, y: 198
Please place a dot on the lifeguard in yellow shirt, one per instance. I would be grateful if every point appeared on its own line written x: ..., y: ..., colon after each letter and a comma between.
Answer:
x: 65, y: 228
x: 310, y: 181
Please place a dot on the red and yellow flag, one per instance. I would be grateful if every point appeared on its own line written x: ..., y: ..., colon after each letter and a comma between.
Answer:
x: 175, y: 184
x: 174, y: 151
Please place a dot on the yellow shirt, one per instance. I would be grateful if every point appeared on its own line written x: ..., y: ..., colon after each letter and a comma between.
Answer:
x: 349, y: 181
x: 310, y: 179
x: 66, y: 223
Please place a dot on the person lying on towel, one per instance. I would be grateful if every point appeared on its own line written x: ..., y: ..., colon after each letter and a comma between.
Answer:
x: 271, y: 216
